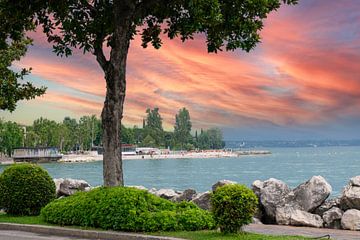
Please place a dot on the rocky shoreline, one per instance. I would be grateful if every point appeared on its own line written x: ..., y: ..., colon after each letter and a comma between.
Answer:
x: 306, y: 205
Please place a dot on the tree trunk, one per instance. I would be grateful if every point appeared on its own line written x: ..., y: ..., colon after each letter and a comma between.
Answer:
x: 115, y: 76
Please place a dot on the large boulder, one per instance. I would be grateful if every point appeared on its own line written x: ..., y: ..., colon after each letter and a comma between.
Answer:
x: 256, y: 186
x: 202, y: 200
x: 332, y: 218
x: 166, y: 193
x: 289, y: 215
x: 273, y: 194
x: 327, y: 205
x: 187, y: 195
x: 69, y: 186
x: 351, y: 220
x: 350, y: 197
x: 222, y: 183
x: 311, y: 194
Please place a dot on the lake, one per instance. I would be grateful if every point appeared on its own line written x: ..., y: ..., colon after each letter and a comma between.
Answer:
x: 292, y: 165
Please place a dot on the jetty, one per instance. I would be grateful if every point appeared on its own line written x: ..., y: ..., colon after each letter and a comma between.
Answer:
x: 36, y: 154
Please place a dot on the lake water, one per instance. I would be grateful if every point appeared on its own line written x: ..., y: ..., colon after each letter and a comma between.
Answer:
x: 292, y: 165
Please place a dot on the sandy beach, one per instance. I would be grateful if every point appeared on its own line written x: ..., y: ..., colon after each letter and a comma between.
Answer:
x: 90, y: 157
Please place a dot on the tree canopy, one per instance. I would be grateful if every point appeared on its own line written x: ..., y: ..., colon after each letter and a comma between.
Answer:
x: 11, y: 88
x: 93, y: 25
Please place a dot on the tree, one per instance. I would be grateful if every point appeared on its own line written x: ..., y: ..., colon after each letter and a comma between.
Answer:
x: 153, y: 126
x: 11, y: 90
x: 93, y: 25
x: 182, y: 127
x: 48, y: 132
x: 11, y: 136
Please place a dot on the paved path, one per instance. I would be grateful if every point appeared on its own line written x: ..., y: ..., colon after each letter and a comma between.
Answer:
x: 20, y: 235
x: 303, y: 231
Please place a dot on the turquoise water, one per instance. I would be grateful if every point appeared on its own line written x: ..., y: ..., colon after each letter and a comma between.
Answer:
x: 292, y: 165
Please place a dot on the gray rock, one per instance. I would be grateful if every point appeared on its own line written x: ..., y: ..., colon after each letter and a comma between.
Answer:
x: 327, y: 205
x: 202, y: 200
x: 290, y: 216
x: 274, y: 194
x: 256, y: 221
x: 139, y: 187
x: 166, y: 193
x: 187, y: 195
x: 350, y: 197
x: 256, y: 186
x: 69, y: 186
x: 351, y: 220
x: 332, y: 218
x: 152, y: 191
x: 355, y: 181
x: 311, y: 194
x: 222, y: 183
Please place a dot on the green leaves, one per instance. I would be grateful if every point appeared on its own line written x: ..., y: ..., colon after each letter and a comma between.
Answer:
x: 25, y: 189
x: 11, y: 90
x: 126, y: 209
x: 233, y: 206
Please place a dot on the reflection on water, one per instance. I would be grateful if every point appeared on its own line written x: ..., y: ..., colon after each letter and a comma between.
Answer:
x: 292, y: 165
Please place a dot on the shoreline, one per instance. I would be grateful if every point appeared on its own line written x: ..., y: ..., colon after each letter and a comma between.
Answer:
x: 93, y: 157
x: 181, y: 155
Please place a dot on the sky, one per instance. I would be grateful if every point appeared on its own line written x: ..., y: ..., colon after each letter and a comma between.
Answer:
x: 301, y: 82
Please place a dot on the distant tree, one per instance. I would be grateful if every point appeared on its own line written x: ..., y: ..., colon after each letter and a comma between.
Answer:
x: 148, y: 142
x: 182, y: 128
x: 48, y: 133
x: 72, y: 129
x: 95, y: 25
x: 215, y: 138
x: 210, y: 139
x: 127, y: 135
x: 11, y: 136
x: 153, y: 126
x: 11, y: 88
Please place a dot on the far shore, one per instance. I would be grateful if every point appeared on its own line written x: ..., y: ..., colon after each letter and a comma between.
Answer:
x: 93, y: 156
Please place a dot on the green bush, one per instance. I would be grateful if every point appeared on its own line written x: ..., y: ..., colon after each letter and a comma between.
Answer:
x: 25, y: 189
x: 126, y: 209
x: 233, y: 206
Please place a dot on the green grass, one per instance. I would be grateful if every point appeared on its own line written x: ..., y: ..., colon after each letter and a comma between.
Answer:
x: 5, y: 218
x: 209, y: 235
x: 199, y: 235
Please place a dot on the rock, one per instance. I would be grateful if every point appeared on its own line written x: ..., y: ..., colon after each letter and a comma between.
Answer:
x: 274, y: 194
x: 139, y: 187
x: 350, y: 198
x: 351, y: 220
x: 311, y: 194
x: 187, y: 195
x: 69, y: 186
x: 166, y: 193
x: 202, y: 200
x: 355, y: 181
x: 327, y: 205
x: 152, y: 191
x: 332, y: 218
x: 290, y: 216
x: 256, y: 186
x: 256, y: 221
x: 222, y: 183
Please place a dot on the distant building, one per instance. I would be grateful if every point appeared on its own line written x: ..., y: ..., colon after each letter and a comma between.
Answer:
x: 36, y: 154
x: 126, y: 149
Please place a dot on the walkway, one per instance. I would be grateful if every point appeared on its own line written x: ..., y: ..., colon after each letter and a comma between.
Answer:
x: 303, y: 231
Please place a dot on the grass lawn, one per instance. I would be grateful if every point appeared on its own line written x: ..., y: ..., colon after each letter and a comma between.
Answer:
x: 198, y: 235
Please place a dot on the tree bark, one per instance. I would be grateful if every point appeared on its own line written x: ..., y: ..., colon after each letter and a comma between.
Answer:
x: 115, y: 76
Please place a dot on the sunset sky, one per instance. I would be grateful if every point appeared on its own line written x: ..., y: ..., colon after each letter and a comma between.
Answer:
x: 301, y: 82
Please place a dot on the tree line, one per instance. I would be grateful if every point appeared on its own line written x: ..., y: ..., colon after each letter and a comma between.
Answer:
x: 86, y: 133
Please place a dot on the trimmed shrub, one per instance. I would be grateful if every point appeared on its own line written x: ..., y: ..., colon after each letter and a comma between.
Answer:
x: 126, y: 209
x: 233, y: 206
x: 25, y: 189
